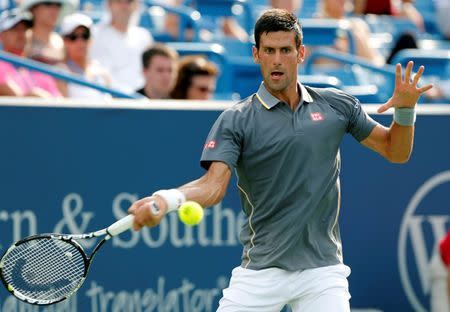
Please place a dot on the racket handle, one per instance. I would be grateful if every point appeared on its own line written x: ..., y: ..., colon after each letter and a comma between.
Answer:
x: 121, y: 225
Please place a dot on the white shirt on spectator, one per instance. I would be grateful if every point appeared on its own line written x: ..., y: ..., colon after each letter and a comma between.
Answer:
x: 442, y: 12
x: 121, y: 54
x: 95, y: 73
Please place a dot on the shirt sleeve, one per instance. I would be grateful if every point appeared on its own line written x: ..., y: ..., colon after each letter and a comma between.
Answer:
x: 223, y: 142
x: 444, y: 248
x: 360, y: 123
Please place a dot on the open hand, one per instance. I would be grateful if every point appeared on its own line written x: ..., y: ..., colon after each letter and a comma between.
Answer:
x: 406, y: 92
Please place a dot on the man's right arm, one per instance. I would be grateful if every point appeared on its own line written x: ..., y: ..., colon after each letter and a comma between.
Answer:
x: 208, y: 190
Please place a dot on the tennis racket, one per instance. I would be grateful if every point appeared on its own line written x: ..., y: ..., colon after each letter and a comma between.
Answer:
x: 48, y: 268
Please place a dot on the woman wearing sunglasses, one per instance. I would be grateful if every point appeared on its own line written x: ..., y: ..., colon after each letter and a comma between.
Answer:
x: 196, y: 79
x: 76, y: 33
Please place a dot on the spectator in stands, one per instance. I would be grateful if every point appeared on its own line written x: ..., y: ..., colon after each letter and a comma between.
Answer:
x: 20, y: 81
x: 387, y: 7
x: 160, y: 71
x: 76, y: 32
x: 227, y: 25
x: 292, y: 6
x: 45, y: 45
x: 119, y: 45
x: 335, y: 9
x: 196, y: 79
x: 443, y: 14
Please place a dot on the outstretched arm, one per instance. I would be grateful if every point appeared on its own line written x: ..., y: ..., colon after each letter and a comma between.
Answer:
x: 395, y: 143
x: 207, y: 191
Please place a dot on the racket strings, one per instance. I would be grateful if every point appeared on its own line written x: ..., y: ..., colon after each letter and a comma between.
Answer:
x: 44, y: 268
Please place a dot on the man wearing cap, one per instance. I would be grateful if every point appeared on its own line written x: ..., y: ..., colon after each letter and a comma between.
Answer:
x: 20, y: 81
x: 119, y: 45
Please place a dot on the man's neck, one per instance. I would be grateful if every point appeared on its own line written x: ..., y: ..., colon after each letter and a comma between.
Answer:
x: 80, y: 62
x: 153, y: 94
x: 290, y: 96
x: 121, y: 26
x: 42, y: 33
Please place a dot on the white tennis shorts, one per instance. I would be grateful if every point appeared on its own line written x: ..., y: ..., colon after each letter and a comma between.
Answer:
x: 321, y: 289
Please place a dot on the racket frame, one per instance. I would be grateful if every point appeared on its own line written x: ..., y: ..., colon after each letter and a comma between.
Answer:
x: 68, y: 238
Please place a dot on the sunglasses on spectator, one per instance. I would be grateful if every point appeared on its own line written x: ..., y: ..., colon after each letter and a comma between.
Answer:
x: 49, y: 3
x: 73, y: 37
x: 204, y: 89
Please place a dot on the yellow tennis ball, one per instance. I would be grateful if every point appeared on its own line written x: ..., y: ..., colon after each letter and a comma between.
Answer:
x: 10, y: 288
x: 190, y: 213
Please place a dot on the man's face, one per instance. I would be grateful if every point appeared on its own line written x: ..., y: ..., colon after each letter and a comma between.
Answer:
x: 161, y: 75
x: 14, y: 39
x: 122, y: 10
x: 334, y: 8
x: 279, y: 59
x: 46, y: 13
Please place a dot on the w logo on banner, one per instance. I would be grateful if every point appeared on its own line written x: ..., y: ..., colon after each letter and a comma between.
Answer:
x: 424, y: 223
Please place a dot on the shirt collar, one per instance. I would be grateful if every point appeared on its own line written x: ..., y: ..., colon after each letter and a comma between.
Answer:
x: 269, y: 101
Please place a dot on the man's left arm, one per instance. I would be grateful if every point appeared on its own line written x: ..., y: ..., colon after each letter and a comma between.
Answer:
x: 395, y: 143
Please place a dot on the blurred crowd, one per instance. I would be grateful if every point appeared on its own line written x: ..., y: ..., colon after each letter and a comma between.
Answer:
x: 117, y: 53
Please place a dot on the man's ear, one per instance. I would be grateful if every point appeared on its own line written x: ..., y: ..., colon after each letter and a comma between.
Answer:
x: 301, y: 54
x: 255, y: 55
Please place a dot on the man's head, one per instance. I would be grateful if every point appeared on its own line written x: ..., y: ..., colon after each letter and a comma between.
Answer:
x: 46, y: 13
x: 333, y: 8
x: 122, y: 10
x: 278, y: 49
x: 13, y: 27
x: 278, y: 20
x: 196, y: 79
x: 160, y: 70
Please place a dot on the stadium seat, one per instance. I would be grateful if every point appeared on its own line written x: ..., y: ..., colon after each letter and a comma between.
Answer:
x: 324, y: 32
x: 212, y: 10
x: 188, y: 17
x: 436, y: 62
x: 320, y: 81
x: 366, y: 81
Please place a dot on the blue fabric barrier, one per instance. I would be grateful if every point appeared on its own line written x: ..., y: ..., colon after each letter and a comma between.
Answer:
x: 78, y: 169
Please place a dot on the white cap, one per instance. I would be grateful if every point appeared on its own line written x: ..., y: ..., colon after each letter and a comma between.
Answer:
x: 68, y: 6
x: 71, y: 22
x: 9, y: 19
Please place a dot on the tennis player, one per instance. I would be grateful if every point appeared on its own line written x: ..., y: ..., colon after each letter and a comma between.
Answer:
x: 284, y: 142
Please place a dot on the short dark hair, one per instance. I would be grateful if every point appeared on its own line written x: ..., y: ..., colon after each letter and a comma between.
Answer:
x: 158, y: 49
x: 189, y: 67
x: 278, y: 20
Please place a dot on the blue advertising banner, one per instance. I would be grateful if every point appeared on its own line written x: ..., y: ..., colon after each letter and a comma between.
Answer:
x: 75, y: 170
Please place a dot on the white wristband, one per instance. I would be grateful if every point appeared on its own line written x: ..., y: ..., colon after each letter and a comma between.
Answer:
x: 405, y: 116
x: 173, y: 197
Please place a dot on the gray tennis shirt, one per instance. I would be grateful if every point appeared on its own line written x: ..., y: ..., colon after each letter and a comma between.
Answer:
x: 288, y: 164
